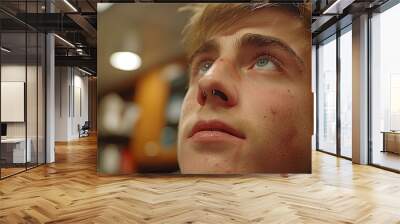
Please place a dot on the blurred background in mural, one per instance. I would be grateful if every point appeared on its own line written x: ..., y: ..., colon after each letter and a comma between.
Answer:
x: 141, y: 85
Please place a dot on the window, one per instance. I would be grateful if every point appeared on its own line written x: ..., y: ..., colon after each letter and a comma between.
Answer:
x: 385, y: 89
x: 22, y: 78
x: 327, y: 95
x: 346, y: 75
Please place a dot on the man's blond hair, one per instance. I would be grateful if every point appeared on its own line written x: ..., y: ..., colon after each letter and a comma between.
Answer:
x: 209, y: 19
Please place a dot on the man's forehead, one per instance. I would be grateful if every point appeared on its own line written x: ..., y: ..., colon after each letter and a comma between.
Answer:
x: 271, y: 28
x: 223, y: 19
x: 271, y: 18
x: 271, y: 21
x: 277, y: 21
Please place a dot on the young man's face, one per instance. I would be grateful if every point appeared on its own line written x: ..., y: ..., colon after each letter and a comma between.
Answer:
x: 249, y: 104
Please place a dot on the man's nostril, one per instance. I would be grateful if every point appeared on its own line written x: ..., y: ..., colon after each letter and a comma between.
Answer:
x: 222, y: 95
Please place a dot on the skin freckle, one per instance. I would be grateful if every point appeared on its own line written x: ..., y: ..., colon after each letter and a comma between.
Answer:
x: 290, y: 135
x: 273, y: 111
x: 290, y: 93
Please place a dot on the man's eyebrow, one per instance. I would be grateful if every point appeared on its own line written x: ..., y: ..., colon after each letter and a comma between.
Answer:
x: 208, y: 46
x: 258, y: 40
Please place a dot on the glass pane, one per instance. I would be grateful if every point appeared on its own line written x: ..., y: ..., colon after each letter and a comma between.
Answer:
x: 41, y: 98
x: 14, y: 153
x: 386, y: 89
x: 31, y: 97
x: 327, y: 96
x: 314, y: 76
x: 346, y: 94
x: 23, y: 90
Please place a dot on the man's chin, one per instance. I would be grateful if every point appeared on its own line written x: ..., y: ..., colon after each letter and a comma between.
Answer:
x: 209, y: 170
x: 201, y: 147
x: 218, y: 157
x: 210, y: 164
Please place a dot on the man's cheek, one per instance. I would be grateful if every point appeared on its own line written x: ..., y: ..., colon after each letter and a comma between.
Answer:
x: 275, y: 105
x: 278, y: 112
x: 187, y: 105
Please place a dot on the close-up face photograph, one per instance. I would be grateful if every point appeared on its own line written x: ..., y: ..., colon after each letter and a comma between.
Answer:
x: 239, y: 88
x: 248, y: 108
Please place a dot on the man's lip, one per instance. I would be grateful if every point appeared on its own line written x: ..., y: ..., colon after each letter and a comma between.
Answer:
x: 215, y: 125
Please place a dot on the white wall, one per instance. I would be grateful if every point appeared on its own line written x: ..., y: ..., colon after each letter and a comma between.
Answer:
x: 70, y: 83
x: 61, y: 103
x: 12, y: 73
x: 33, y: 127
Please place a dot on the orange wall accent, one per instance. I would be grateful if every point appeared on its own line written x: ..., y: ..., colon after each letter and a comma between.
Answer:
x: 152, y: 93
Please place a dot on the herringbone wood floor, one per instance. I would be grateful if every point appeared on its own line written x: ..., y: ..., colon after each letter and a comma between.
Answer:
x: 69, y: 191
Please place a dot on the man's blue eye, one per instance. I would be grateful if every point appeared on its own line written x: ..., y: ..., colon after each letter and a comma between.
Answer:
x: 263, y: 63
x: 205, y: 66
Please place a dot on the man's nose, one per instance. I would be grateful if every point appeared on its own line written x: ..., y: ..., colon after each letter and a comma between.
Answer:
x: 218, y: 86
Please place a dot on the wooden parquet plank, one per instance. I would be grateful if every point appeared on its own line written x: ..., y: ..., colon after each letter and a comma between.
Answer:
x: 70, y: 191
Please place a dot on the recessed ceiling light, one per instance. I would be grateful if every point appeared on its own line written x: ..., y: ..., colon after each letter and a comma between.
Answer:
x: 84, y: 71
x: 5, y: 50
x: 64, y: 40
x: 337, y: 7
x: 70, y: 5
x: 125, y: 60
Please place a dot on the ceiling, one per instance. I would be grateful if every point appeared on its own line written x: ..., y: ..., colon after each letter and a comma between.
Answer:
x: 76, y: 26
x: 156, y: 38
x: 16, y: 42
